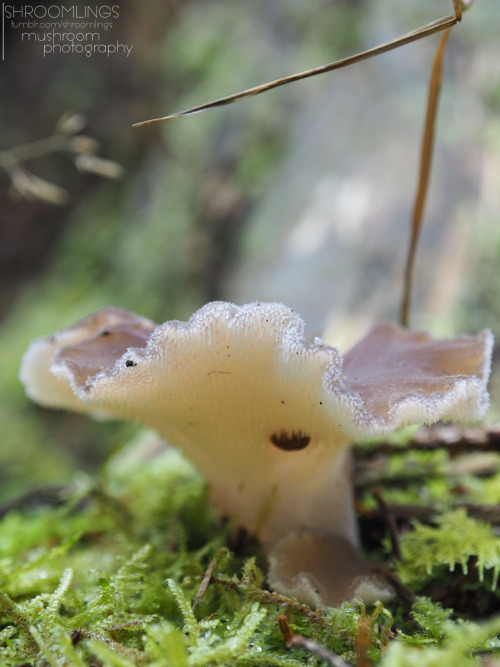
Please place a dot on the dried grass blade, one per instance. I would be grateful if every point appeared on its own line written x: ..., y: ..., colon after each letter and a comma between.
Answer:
x: 423, y: 180
x: 419, y: 33
x: 457, y: 4
x: 204, y: 583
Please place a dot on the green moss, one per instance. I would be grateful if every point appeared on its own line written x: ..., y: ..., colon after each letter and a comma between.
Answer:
x: 443, y: 643
x: 452, y: 542
x: 111, y: 575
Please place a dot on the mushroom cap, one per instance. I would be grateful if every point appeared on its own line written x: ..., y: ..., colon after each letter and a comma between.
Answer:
x: 82, y: 347
x: 264, y: 414
x: 391, y: 378
x: 408, y: 377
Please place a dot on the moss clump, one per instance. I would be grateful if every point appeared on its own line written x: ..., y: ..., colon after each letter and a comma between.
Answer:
x: 113, y: 576
x: 455, y: 540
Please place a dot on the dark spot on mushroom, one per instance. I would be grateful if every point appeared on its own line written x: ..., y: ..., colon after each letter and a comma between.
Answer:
x: 104, y: 333
x: 290, y: 441
x: 282, y: 402
x: 129, y: 363
x: 321, y: 402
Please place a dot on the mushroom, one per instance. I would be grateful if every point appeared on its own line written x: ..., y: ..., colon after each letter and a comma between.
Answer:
x: 266, y: 416
x: 88, y: 347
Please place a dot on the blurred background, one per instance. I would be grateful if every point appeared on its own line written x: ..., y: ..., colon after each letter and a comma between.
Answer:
x: 301, y: 195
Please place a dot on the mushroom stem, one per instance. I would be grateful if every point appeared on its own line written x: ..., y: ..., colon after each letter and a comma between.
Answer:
x: 296, y: 491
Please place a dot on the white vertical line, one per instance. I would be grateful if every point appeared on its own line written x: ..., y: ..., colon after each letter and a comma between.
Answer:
x: 3, y: 31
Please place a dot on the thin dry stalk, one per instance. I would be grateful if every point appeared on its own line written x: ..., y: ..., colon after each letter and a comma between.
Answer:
x: 425, y: 170
x: 204, y: 583
x: 424, y: 31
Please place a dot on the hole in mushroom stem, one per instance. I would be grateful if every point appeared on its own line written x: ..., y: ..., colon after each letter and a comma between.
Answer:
x: 290, y: 441
x: 129, y: 362
x: 104, y: 333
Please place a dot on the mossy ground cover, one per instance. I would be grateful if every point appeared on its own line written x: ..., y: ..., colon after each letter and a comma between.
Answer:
x: 114, y: 574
